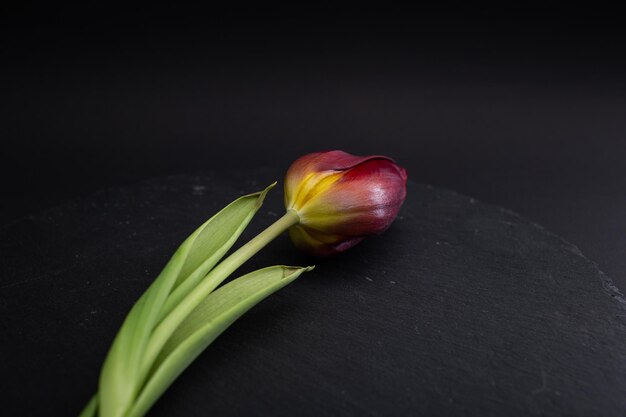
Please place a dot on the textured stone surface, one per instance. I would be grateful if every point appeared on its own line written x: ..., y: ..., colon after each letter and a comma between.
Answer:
x: 460, y: 308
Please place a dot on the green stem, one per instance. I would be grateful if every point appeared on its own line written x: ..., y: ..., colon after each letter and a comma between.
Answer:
x: 171, y: 322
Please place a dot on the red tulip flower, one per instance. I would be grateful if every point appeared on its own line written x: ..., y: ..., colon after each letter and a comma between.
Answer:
x: 341, y: 199
x: 333, y: 199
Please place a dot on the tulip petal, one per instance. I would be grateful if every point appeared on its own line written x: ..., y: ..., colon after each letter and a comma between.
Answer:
x: 320, y: 244
x: 308, y: 170
x: 364, y: 201
x: 342, y: 198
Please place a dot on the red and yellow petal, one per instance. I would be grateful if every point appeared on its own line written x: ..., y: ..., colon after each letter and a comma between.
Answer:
x: 364, y: 201
x: 308, y: 174
x: 342, y: 198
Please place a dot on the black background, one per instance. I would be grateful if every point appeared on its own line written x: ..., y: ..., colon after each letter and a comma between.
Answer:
x: 522, y: 110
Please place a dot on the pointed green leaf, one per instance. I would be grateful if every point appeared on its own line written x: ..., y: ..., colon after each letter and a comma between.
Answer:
x: 218, y: 311
x: 217, y: 236
x: 91, y: 409
x: 166, y: 327
x: 121, y: 379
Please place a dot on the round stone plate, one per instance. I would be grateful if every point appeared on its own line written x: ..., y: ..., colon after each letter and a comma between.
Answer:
x: 460, y: 308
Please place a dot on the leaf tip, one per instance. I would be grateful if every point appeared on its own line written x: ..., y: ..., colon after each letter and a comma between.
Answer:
x: 289, y: 271
x: 261, y: 195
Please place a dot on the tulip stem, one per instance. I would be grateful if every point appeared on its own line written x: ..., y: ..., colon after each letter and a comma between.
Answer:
x: 171, y: 322
x: 257, y: 243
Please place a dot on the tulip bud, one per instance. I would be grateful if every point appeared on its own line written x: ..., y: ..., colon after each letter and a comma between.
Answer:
x: 341, y: 199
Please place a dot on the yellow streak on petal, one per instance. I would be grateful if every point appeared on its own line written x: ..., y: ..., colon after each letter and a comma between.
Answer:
x: 312, y: 185
x: 302, y: 239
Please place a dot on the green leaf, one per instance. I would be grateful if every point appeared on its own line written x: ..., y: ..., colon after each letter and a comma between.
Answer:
x: 217, y: 237
x: 121, y: 376
x: 91, y: 409
x: 164, y: 330
x: 209, y: 319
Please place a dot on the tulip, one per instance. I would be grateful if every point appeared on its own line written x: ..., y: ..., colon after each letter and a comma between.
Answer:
x: 333, y: 199
x: 340, y: 199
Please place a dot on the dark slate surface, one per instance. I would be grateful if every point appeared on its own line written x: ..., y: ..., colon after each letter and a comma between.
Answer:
x: 459, y: 309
